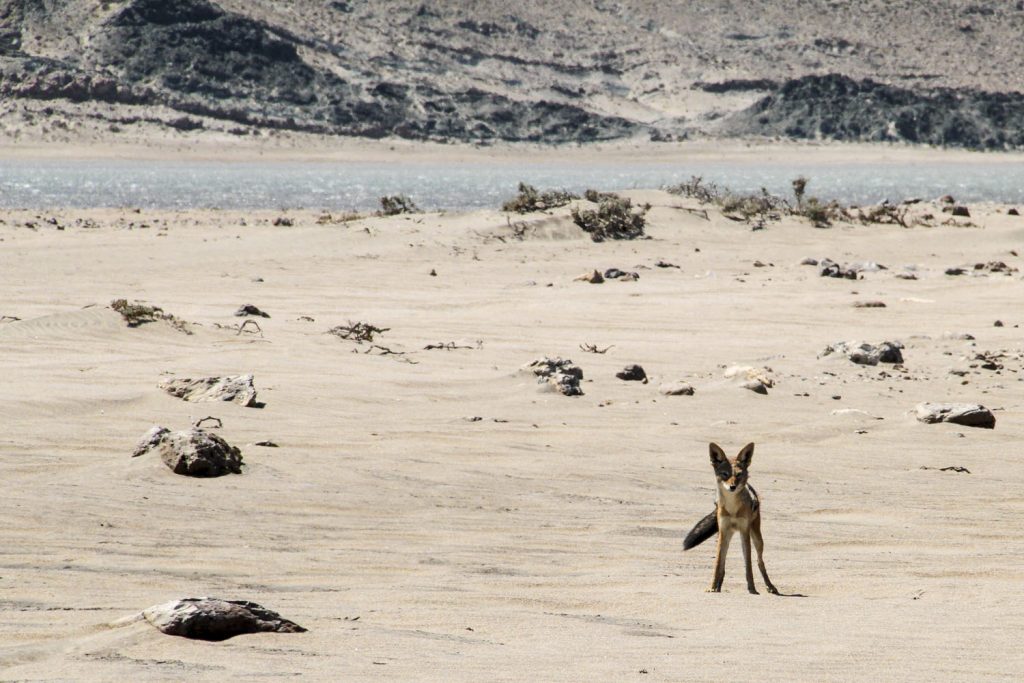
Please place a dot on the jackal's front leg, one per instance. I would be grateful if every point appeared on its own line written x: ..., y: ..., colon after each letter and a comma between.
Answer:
x: 745, y: 541
x: 724, y: 535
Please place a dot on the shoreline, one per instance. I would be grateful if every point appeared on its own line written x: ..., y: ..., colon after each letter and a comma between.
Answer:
x: 322, y: 149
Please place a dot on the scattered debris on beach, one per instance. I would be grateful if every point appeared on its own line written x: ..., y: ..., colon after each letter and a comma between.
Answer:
x: 358, y: 331
x: 138, y: 313
x: 863, y: 353
x: 679, y: 388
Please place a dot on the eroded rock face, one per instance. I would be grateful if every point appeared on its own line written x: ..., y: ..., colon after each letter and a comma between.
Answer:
x: 558, y: 373
x: 214, y: 619
x: 193, y: 452
x: 837, y: 107
x: 967, y: 414
x: 236, y: 389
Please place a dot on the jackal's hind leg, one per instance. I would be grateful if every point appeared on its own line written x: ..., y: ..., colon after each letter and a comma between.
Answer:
x: 755, y: 533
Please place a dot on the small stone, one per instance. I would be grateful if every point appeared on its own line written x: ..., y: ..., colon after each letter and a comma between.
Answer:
x: 756, y: 385
x: 746, y: 374
x: 283, y: 222
x: 249, y: 309
x: 961, y: 211
x: 632, y: 373
x: 947, y: 199
x: 664, y: 264
x: 967, y: 414
x: 676, y: 389
x: 955, y: 271
x: 235, y: 389
x: 593, y: 277
x: 1012, y: 212
x: 809, y: 261
x: 998, y: 323
x: 214, y: 619
x: 869, y: 304
x: 433, y: 272
x: 906, y: 276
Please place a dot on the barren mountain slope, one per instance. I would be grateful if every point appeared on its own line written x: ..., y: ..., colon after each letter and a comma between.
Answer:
x: 553, y: 72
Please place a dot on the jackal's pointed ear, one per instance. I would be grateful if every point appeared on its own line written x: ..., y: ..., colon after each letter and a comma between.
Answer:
x: 745, y: 456
x: 717, y: 454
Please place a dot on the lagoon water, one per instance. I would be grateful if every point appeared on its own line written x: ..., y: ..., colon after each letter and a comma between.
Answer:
x: 471, y: 185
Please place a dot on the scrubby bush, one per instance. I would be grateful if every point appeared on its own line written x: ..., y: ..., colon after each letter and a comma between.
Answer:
x: 530, y: 200
x: 799, y: 189
x: 615, y: 218
x: 596, y: 197
x: 696, y: 188
x: 884, y: 213
x: 393, y: 205
x: 762, y: 206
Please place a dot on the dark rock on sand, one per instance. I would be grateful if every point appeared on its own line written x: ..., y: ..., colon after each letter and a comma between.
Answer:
x: 558, y: 374
x: 193, y: 452
x: 236, y: 389
x: 632, y: 373
x: 756, y: 385
x: 967, y: 414
x: 829, y: 268
x: 615, y: 273
x: 249, y: 309
x: 215, y: 619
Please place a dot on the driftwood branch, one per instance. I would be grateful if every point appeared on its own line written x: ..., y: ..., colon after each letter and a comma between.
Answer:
x: 592, y: 348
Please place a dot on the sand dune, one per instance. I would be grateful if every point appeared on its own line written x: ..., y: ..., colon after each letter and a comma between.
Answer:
x: 542, y: 541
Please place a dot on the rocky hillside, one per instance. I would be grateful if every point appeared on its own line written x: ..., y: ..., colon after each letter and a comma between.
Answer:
x: 575, y: 71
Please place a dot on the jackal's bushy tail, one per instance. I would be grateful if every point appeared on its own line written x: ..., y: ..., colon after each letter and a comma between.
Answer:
x: 704, y: 529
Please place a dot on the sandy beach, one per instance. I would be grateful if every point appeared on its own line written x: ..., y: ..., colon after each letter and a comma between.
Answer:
x: 435, y: 515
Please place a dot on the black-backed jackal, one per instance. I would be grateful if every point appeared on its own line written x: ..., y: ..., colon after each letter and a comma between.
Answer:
x: 737, y: 509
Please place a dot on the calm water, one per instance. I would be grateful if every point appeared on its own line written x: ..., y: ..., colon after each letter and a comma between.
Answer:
x: 358, y: 186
